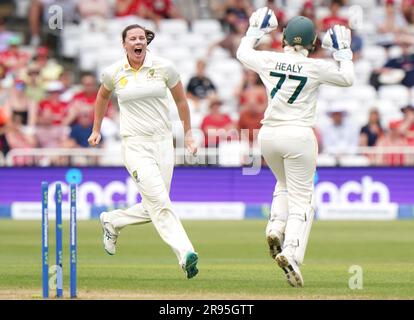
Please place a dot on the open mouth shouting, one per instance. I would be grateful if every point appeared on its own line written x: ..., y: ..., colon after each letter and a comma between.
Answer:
x: 138, y: 52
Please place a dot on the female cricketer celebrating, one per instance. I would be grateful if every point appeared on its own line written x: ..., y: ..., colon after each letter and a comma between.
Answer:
x: 140, y: 82
x: 287, y: 141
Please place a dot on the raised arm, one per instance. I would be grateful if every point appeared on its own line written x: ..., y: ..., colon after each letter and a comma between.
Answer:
x: 262, y: 21
x: 338, y: 41
x: 101, y: 105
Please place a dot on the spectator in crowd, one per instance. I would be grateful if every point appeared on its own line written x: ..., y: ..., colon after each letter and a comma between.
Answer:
x: 94, y: 8
x: 3, y: 71
x: 237, y: 12
x: 356, y: 45
x: 41, y: 11
x: 14, y: 58
x: 34, y: 85
x: 20, y: 136
x: 339, y: 136
x: 127, y: 8
x: 4, y: 147
x: 216, y: 125
x: 20, y: 104
x: 200, y: 86
x: 82, y: 104
x: 334, y: 17
x: 390, y: 24
x: 392, y: 138
x: 51, y: 133
x: 157, y: 10
x: 217, y: 10
x: 232, y: 40
x: 410, y: 27
x: 70, y: 89
x: 400, y: 69
x: 372, y: 131
x: 80, y: 131
x: 279, y: 13
x: 406, y: 8
x: 250, y: 118
x: 308, y: 11
x: 3, y: 87
x: 406, y: 126
x: 251, y: 84
x: 50, y: 70
x: 5, y: 35
x: 110, y: 126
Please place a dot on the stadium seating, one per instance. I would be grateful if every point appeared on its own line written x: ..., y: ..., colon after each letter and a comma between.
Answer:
x: 94, y: 44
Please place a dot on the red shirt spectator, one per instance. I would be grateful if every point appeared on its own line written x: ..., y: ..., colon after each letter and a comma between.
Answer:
x: 213, y: 122
x: 85, y: 103
x: 157, y: 10
x: 52, y: 110
x: 250, y: 120
x: 406, y: 125
x: 17, y: 138
x: 127, y: 7
x: 82, y: 105
x: 252, y: 114
x: 13, y: 58
x: 409, y: 131
x: 159, y: 7
x: 329, y: 22
x: 334, y: 18
x: 393, y: 139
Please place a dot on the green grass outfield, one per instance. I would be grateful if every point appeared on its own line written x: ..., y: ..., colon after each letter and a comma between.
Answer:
x: 234, y: 262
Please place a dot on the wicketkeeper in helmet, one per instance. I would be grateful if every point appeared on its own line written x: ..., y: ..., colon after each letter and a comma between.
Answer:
x: 287, y: 141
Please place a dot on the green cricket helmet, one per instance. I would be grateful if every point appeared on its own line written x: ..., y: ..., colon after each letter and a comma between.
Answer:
x: 300, y: 31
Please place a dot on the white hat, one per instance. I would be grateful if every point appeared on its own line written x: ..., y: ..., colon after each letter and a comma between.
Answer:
x: 336, y: 108
x: 54, y: 86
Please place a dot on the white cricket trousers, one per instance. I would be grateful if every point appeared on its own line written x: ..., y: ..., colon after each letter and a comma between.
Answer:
x: 150, y: 162
x: 291, y: 152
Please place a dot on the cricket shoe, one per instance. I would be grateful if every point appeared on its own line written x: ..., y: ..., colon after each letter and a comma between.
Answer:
x: 291, y: 270
x: 110, y: 235
x: 190, y: 264
x: 275, y: 244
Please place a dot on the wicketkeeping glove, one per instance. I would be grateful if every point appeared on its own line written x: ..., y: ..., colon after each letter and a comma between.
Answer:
x: 262, y: 21
x: 338, y: 40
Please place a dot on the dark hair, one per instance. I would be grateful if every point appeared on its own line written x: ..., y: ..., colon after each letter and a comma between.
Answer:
x: 148, y: 33
x: 87, y: 74
x: 337, y: 2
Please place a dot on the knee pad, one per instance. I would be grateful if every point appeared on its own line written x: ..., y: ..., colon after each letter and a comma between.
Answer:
x: 278, y: 213
x: 297, y: 233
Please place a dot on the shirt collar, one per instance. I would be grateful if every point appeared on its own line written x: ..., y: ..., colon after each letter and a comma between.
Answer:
x: 147, y: 62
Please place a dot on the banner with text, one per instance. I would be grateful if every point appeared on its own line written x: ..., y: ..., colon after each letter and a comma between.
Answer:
x: 213, y: 193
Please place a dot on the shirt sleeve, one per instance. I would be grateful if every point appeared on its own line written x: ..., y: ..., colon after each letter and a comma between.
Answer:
x: 107, y: 79
x: 249, y: 57
x: 173, y: 77
x: 332, y: 74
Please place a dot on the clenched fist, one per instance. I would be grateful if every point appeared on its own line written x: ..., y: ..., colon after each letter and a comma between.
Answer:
x: 94, y: 139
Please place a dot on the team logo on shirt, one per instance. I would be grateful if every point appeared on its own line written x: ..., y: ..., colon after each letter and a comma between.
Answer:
x: 151, y: 73
x: 123, y: 82
x: 135, y: 175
